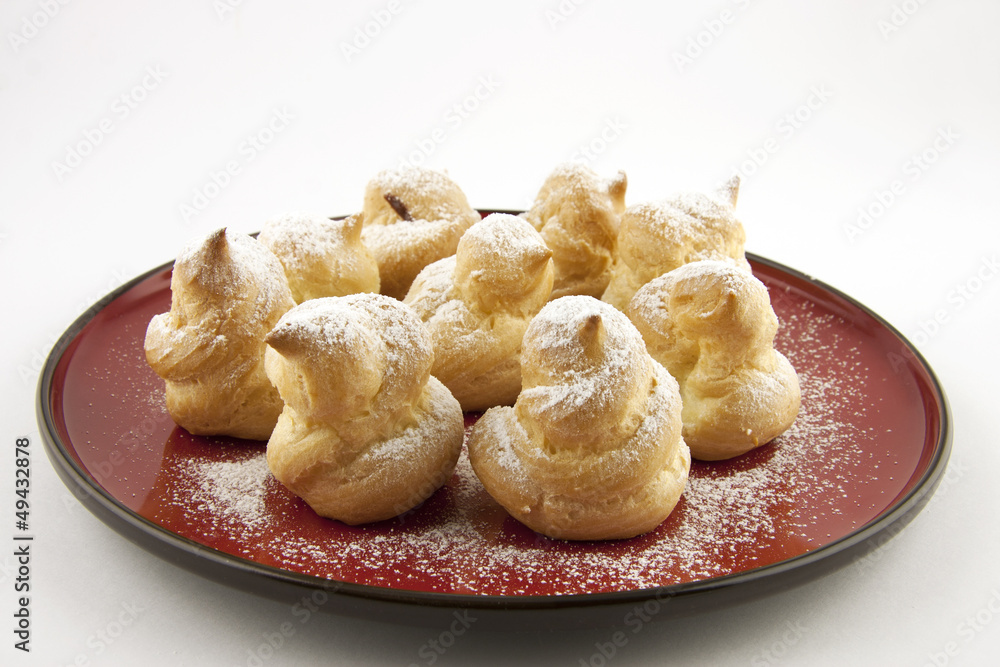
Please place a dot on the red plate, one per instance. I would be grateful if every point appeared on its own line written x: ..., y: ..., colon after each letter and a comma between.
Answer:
x: 868, y: 448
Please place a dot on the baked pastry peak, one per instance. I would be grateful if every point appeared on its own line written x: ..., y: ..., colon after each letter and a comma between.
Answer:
x: 477, y: 305
x: 227, y: 291
x: 320, y: 256
x: 502, y: 264
x: 577, y: 212
x: 592, y: 449
x: 657, y: 237
x: 366, y: 432
x: 729, y: 191
x: 712, y: 326
x: 413, y: 216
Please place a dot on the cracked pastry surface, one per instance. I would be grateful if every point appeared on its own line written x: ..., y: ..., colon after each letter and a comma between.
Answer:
x: 366, y: 432
x: 577, y: 213
x: 412, y: 216
x: 712, y: 326
x: 227, y: 291
x: 321, y: 257
x: 657, y: 237
x: 592, y: 449
x: 477, y: 305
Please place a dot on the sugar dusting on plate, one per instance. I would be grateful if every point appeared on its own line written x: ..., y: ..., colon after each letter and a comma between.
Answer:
x: 731, y: 518
x: 231, y: 491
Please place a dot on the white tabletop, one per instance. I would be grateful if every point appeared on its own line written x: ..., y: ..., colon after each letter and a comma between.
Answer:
x: 865, y: 133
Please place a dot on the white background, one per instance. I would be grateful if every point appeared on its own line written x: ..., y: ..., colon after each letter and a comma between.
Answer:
x: 837, y: 96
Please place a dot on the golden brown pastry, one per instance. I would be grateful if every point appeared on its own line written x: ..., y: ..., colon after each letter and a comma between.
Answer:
x: 366, y: 433
x: 477, y: 305
x: 592, y: 449
x: 413, y: 216
x: 655, y: 238
x: 227, y: 291
x: 577, y: 214
x: 321, y: 257
x: 712, y: 326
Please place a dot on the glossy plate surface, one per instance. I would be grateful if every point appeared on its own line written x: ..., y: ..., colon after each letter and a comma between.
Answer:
x: 870, y: 444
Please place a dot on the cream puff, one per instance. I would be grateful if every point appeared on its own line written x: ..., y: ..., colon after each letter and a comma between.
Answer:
x: 477, y: 305
x: 592, y: 449
x: 655, y: 238
x: 412, y: 216
x: 712, y: 326
x: 366, y: 433
x: 577, y: 213
x: 227, y: 292
x: 321, y: 257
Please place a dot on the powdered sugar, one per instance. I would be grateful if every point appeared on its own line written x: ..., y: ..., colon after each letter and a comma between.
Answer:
x: 230, y: 491
x: 232, y: 264
x: 732, y: 517
x: 425, y: 195
x: 686, y: 228
x: 301, y: 236
x: 321, y: 257
x: 562, y: 372
x: 506, y: 235
x: 324, y: 325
